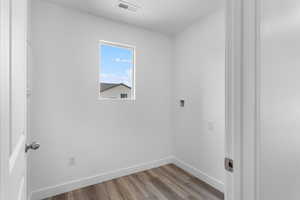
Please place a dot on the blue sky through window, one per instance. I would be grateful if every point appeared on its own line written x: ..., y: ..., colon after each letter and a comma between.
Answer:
x: 116, y: 64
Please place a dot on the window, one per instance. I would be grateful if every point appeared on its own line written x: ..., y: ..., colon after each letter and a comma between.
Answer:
x: 124, y: 96
x: 116, y: 71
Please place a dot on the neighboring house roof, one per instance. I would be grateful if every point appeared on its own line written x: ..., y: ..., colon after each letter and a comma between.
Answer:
x: 107, y: 86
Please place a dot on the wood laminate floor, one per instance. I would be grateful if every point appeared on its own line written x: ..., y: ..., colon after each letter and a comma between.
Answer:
x: 163, y: 183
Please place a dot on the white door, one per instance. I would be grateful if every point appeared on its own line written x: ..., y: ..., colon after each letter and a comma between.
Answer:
x: 13, y: 98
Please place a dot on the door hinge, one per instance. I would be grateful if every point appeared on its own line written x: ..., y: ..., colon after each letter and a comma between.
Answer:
x: 229, y: 164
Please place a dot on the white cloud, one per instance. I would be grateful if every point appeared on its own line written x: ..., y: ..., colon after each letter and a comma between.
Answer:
x: 120, y: 60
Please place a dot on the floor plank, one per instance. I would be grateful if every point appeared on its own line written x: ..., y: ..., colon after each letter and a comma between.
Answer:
x: 163, y: 183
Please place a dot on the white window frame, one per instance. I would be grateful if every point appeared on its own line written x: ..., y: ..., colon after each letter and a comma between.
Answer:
x: 133, y: 88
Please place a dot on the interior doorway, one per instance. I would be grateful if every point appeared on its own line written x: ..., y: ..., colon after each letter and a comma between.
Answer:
x: 179, y: 94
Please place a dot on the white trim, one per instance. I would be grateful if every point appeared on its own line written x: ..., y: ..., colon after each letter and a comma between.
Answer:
x: 29, y: 93
x: 251, y: 99
x: 72, y: 185
x: 242, y: 96
x: 215, y: 183
x: 133, y: 87
x: 233, y: 181
x: 257, y: 98
x: 4, y: 95
x: 118, y: 44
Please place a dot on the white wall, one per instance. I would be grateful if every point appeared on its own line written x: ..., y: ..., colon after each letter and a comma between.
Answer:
x: 66, y: 116
x: 199, y: 78
x: 280, y: 100
x: 68, y: 119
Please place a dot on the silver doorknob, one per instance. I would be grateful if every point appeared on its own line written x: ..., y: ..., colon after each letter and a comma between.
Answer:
x: 32, y: 146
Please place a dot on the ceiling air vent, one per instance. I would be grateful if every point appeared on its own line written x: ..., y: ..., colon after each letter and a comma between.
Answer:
x: 128, y: 6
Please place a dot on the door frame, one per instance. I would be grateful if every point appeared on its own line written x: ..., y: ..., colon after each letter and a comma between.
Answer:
x: 243, y: 98
x: 4, y: 93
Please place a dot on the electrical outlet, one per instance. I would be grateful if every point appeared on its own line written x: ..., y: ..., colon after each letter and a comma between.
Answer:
x: 182, y: 102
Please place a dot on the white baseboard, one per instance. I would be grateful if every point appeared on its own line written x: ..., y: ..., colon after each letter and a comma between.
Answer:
x: 84, y: 182
x: 217, y: 184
